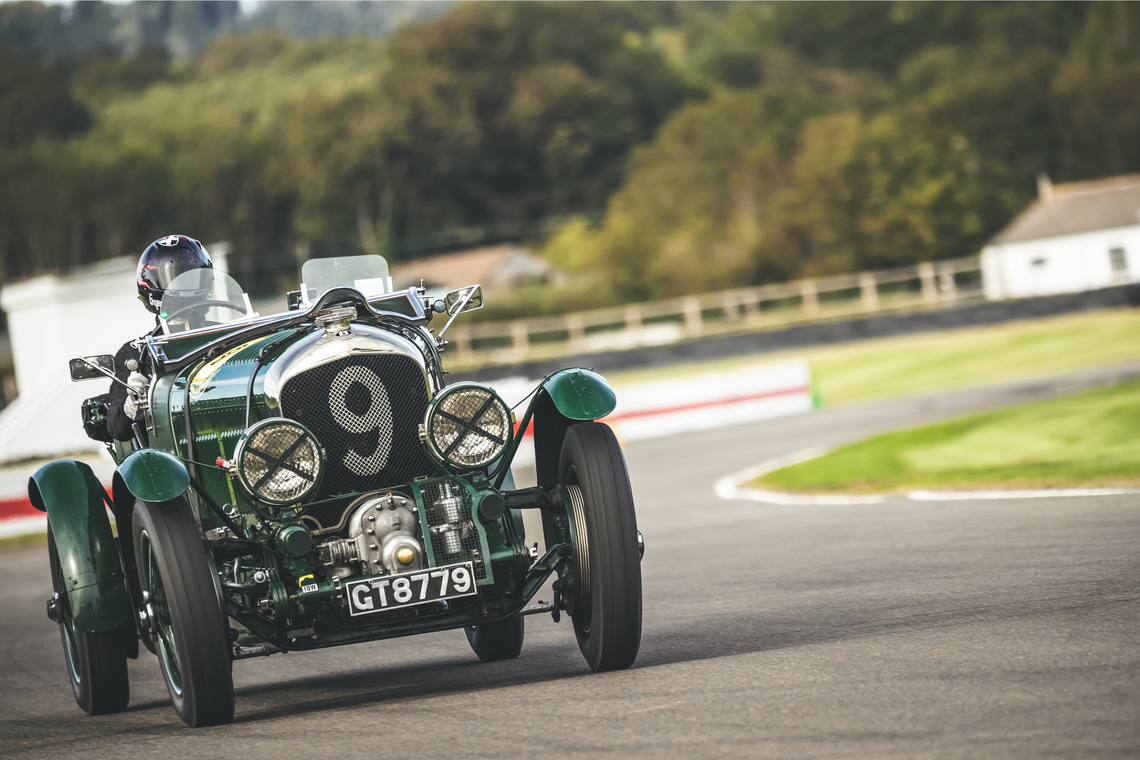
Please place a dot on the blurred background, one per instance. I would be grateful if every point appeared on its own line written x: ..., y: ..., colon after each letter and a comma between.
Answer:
x: 599, y: 153
x: 864, y: 277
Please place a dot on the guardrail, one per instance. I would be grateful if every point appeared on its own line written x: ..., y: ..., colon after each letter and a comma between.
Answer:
x: 763, y: 307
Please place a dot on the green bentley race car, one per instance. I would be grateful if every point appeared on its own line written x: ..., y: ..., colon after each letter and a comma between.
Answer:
x: 309, y: 479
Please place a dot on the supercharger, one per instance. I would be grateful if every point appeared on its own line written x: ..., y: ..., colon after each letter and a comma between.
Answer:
x: 381, y: 537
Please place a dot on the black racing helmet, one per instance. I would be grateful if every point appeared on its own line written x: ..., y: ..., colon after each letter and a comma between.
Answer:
x: 162, y: 261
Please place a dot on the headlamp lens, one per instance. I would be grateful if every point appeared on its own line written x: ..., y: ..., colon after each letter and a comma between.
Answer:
x: 279, y: 461
x: 468, y: 426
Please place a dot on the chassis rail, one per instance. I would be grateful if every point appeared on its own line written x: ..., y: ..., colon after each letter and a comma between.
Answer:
x: 319, y: 637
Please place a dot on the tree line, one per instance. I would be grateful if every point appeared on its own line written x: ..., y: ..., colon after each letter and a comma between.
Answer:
x: 718, y: 144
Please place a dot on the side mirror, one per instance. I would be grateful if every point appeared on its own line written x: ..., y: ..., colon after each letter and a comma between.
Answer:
x: 92, y: 367
x: 464, y: 299
x: 460, y: 301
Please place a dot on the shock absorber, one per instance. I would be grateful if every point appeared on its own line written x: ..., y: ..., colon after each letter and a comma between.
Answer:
x: 450, y: 508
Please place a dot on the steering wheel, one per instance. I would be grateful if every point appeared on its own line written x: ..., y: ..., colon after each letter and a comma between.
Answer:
x: 206, y: 305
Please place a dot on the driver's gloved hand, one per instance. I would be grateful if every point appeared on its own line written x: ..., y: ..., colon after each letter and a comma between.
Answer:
x: 132, y: 406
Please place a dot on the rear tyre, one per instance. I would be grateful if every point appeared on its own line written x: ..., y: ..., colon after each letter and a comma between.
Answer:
x: 96, y: 662
x: 189, y: 626
x: 606, y: 595
x: 500, y: 640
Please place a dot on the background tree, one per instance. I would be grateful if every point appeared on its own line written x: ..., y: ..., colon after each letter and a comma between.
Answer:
x: 725, y: 143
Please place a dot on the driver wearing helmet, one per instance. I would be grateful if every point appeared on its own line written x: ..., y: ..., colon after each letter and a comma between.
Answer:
x: 160, y: 263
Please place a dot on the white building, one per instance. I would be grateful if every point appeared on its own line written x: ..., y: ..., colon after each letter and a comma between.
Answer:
x: 1074, y: 237
x: 497, y: 268
x: 51, y: 320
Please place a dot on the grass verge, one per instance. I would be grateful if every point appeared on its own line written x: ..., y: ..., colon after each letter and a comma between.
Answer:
x: 1084, y: 439
x: 891, y: 367
x: 25, y: 541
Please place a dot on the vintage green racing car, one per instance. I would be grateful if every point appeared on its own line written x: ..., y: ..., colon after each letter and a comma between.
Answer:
x: 309, y: 479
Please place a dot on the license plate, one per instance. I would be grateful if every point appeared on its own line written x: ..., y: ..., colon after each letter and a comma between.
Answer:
x: 369, y: 595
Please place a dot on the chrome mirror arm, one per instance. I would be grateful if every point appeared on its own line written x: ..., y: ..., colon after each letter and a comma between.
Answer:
x: 458, y: 309
x: 104, y: 371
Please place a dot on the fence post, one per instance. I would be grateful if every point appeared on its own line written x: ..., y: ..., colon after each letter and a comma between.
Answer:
x: 520, y: 337
x: 633, y: 324
x: 751, y: 303
x: 809, y: 295
x: 929, y: 289
x: 462, y: 342
x: 946, y: 283
x: 692, y: 309
x: 576, y: 326
x: 731, y: 307
x: 870, y: 291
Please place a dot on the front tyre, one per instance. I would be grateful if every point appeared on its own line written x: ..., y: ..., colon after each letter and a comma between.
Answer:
x: 188, y: 626
x: 500, y: 640
x: 607, y: 598
x: 96, y: 662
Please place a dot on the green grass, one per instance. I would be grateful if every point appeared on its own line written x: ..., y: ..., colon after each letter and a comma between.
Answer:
x: 1085, y: 439
x: 891, y: 367
x: 25, y: 541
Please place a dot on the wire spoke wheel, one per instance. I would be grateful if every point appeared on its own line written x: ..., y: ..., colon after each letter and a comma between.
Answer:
x: 184, y: 612
x: 605, y: 603
x: 96, y: 662
x: 579, y: 602
x: 163, y: 624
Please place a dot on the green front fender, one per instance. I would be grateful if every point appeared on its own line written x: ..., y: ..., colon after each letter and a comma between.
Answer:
x: 564, y: 398
x: 74, y: 500
x: 580, y: 394
x: 154, y: 476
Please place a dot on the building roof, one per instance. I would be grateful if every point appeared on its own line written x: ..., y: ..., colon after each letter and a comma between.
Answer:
x: 1077, y: 207
x: 493, y: 266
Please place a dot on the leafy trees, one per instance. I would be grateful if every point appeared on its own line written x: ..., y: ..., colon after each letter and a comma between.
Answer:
x: 489, y: 114
x: 727, y: 143
x: 492, y: 113
x: 34, y: 100
x: 863, y: 135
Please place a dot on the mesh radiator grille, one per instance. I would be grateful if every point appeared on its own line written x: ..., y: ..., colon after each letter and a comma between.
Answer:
x: 448, y: 504
x: 365, y: 411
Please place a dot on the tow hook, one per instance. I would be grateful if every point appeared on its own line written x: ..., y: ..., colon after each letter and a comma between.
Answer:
x: 147, y: 619
x: 53, y: 607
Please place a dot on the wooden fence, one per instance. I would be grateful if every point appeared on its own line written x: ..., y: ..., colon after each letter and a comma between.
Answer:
x: 764, y: 307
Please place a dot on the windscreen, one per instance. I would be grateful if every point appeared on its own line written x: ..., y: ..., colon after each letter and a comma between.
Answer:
x: 203, y: 298
x: 368, y: 274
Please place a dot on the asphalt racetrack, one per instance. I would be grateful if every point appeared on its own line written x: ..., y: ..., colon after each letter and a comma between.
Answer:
x: 903, y: 629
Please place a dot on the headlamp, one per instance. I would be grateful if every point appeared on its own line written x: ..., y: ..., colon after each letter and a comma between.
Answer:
x: 467, y: 425
x: 278, y: 461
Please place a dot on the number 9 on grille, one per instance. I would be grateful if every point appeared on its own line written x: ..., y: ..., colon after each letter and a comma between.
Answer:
x: 278, y: 461
x: 467, y: 425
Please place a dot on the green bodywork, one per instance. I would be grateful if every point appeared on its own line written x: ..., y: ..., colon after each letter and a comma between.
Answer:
x: 217, y: 391
x: 580, y: 394
x: 75, y: 503
x: 209, y: 376
x: 154, y: 476
x: 563, y: 398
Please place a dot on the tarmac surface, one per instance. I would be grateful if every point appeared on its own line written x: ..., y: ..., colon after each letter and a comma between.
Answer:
x: 902, y: 629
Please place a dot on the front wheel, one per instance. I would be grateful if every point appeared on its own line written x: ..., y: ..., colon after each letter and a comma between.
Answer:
x: 96, y: 662
x: 606, y: 582
x: 183, y: 612
x: 500, y: 640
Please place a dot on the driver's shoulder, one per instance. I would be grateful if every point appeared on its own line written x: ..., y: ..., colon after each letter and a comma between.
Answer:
x: 131, y: 350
